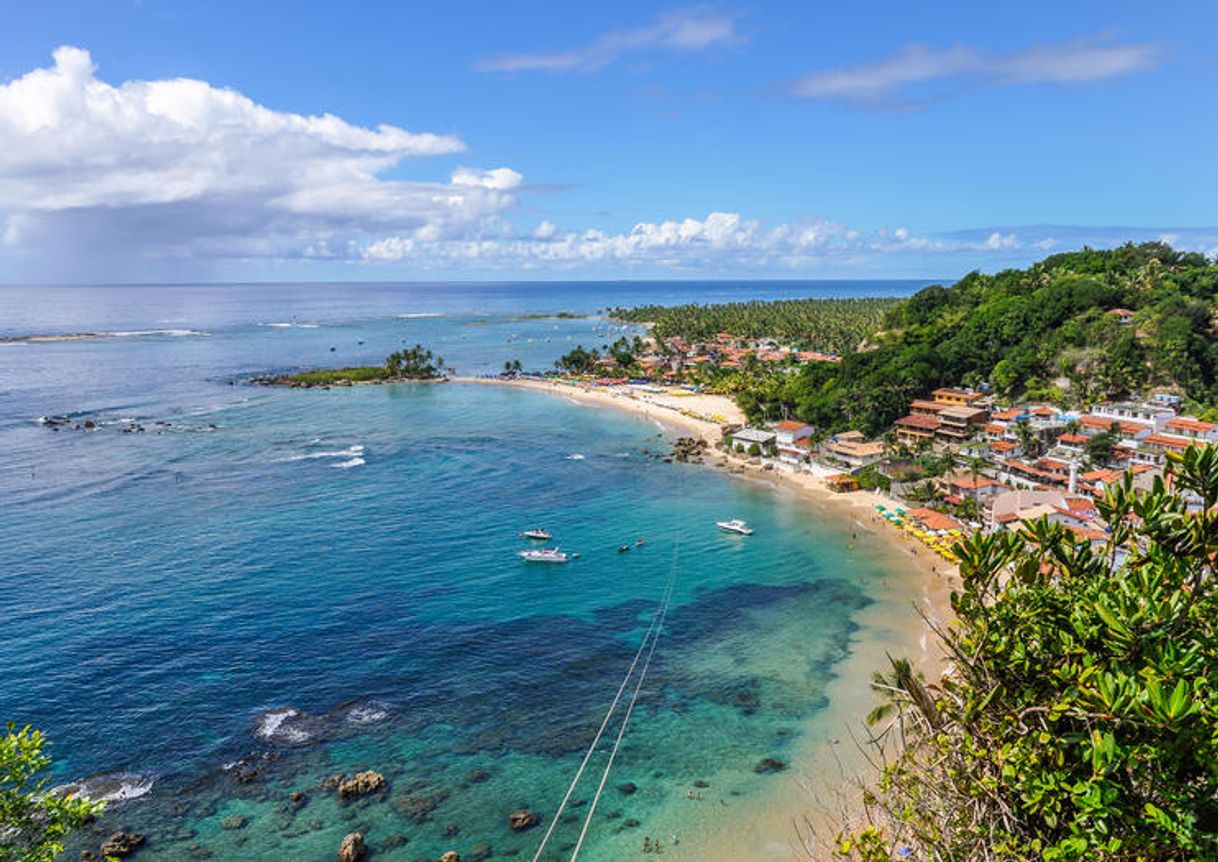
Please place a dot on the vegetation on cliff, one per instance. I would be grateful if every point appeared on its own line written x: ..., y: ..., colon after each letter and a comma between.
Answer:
x: 1079, y: 718
x: 1041, y: 333
x: 33, y: 820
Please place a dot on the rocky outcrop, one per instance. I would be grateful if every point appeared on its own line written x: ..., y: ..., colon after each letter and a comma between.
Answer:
x: 769, y: 764
x: 362, y: 784
x: 480, y: 852
x: 451, y: 856
x: 627, y: 788
x: 122, y: 844
x: 235, y: 821
x: 689, y: 449
x: 353, y: 848
x: 523, y: 819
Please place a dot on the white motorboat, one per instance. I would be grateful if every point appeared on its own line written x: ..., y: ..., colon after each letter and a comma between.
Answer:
x: 539, y: 535
x: 735, y: 526
x: 544, y: 555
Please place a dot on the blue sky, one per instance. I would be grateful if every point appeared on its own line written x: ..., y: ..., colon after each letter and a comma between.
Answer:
x: 231, y: 141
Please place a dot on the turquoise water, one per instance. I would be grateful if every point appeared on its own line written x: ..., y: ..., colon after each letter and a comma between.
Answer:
x: 264, y: 548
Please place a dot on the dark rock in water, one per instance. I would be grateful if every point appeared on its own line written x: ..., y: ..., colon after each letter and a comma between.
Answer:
x: 394, y: 841
x: 417, y: 809
x: 251, y: 768
x: 451, y: 856
x: 523, y: 819
x: 452, y: 830
x: 479, y: 853
x: 88, y: 856
x: 198, y: 851
x: 570, y: 818
x: 109, y: 787
x: 478, y: 776
x: 769, y: 764
x: 333, y: 781
x: 122, y: 844
x: 627, y: 788
x: 236, y: 821
x: 614, y: 815
x: 299, y: 799
x: 701, y: 784
x: 631, y: 822
x: 352, y: 848
x: 362, y: 784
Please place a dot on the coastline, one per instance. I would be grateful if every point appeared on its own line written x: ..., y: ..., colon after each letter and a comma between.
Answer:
x: 819, y: 794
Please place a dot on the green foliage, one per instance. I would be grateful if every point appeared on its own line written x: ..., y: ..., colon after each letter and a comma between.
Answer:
x: 754, y: 450
x: 33, y: 822
x: 828, y: 325
x: 1020, y: 330
x: 414, y: 363
x: 579, y: 360
x: 871, y: 478
x: 1079, y: 720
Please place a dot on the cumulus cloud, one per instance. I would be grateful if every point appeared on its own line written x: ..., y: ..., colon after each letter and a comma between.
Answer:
x: 917, y: 73
x: 684, y: 31
x: 728, y: 242
x: 183, y: 167
x: 721, y: 238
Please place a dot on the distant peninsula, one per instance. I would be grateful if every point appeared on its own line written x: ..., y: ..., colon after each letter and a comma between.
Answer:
x: 413, y: 364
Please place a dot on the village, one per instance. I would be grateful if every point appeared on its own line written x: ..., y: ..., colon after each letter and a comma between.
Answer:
x: 960, y: 461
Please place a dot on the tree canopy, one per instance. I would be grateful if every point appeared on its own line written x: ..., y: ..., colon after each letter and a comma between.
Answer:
x: 1079, y: 718
x: 33, y: 820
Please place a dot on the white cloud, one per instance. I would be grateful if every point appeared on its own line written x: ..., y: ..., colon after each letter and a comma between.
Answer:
x: 917, y: 73
x: 684, y: 31
x: 181, y: 167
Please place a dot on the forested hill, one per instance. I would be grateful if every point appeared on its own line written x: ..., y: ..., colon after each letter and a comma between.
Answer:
x: 829, y: 325
x: 1041, y: 333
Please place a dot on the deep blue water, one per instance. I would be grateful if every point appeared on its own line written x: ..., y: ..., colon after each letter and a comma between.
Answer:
x: 255, y: 548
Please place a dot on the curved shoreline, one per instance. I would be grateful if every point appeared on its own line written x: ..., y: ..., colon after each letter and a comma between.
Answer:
x: 819, y: 793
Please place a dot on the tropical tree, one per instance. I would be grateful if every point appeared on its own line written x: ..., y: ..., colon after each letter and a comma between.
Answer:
x: 1078, y: 720
x: 33, y: 820
x: 1029, y: 440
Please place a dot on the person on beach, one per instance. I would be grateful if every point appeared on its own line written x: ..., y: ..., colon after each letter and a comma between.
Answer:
x: 646, y: 843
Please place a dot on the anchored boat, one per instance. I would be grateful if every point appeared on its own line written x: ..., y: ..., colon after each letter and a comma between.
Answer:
x: 539, y: 535
x: 544, y: 555
x: 735, y: 526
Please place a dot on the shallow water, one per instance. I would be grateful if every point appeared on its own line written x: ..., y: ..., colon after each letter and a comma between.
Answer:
x: 265, y: 548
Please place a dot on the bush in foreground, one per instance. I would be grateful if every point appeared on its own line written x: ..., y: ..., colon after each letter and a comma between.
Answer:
x: 1079, y: 720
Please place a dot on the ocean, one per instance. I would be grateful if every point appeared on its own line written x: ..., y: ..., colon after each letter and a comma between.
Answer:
x: 209, y: 553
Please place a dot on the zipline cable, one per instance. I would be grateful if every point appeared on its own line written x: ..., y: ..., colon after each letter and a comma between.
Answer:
x: 621, y: 731
x: 600, y: 732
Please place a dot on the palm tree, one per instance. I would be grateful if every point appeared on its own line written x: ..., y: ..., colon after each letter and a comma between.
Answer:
x: 1029, y: 440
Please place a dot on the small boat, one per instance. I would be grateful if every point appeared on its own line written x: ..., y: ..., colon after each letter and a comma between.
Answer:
x: 623, y: 549
x: 735, y: 526
x: 544, y: 555
x: 638, y: 543
x: 539, y: 535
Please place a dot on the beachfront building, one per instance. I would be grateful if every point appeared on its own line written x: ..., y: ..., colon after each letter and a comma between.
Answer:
x: 853, y: 448
x: 745, y: 438
x: 917, y: 430
x: 958, y: 423
x: 793, y: 440
x: 1124, y: 316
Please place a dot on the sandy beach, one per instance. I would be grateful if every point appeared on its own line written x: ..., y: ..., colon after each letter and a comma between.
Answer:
x: 820, y: 791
